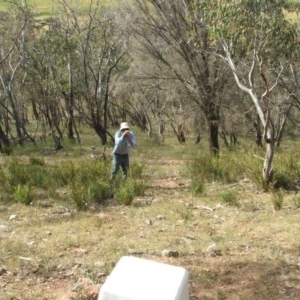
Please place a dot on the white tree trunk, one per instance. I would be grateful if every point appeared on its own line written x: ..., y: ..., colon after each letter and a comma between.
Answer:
x: 267, y: 167
x: 264, y: 115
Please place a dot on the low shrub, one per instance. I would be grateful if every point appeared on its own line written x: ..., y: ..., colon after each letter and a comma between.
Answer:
x: 37, y: 161
x: 232, y: 165
x: 23, y: 194
x: 277, y: 197
x: 96, y: 192
x: 128, y: 190
x: 197, y: 186
x: 65, y: 172
x: 230, y: 198
x: 136, y: 170
x: 205, y: 168
x: 87, y: 179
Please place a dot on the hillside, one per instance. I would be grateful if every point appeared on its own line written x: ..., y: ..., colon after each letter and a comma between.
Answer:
x: 49, y: 250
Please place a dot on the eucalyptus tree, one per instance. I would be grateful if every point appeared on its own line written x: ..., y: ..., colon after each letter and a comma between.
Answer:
x: 13, y: 106
x: 176, y: 35
x: 52, y: 55
x: 101, y: 58
x: 258, y: 44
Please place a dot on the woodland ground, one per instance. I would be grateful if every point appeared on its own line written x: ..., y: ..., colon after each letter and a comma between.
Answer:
x: 51, y: 251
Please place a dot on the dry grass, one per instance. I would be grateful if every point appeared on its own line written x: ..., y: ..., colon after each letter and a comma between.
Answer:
x: 55, y: 252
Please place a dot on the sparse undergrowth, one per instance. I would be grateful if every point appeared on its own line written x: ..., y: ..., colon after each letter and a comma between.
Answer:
x: 85, y: 182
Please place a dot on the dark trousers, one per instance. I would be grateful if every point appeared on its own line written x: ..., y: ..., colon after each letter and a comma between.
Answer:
x: 119, y: 161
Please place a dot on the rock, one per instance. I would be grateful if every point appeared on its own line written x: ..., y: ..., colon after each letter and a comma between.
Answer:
x: 85, y: 289
x: 213, y: 250
x: 2, y: 270
x: 43, y: 203
x: 13, y: 217
x: 3, y: 227
x: 142, y: 201
x: 101, y: 274
x: 149, y: 222
x: 170, y: 253
x: 26, y: 258
x: 48, y: 232
x: 99, y: 263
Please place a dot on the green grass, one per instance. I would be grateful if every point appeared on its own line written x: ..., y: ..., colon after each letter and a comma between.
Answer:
x: 45, y: 6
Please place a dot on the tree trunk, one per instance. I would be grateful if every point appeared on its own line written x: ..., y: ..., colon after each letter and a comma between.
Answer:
x: 5, y: 146
x: 101, y: 133
x: 267, y: 167
x: 214, y: 137
x: 258, y: 139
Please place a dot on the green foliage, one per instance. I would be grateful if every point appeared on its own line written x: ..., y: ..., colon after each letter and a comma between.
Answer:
x: 94, y: 192
x: 19, y: 173
x: 277, y: 197
x: 230, y: 198
x: 243, y: 21
x: 128, y: 190
x: 15, y: 173
x: 250, y: 163
x: 197, y: 187
x: 205, y: 168
x: 184, y: 212
x: 81, y: 196
x: 33, y: 174
x: 293, y: 4
x: 232, y: 165
x: 87, y: 179
x: 6, y: 149
x: 287, y: 170
x: 65, y: 172
x: 23, y: 194
x: 136, y: 169
x: 282, y: 181
x: 100, y: 191
x: 39, y: 161
x: 81, y: 172
x: 90, y: 183
x: 296, y: 200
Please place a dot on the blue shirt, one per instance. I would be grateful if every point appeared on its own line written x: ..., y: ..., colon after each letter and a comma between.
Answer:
x: 122, y: 144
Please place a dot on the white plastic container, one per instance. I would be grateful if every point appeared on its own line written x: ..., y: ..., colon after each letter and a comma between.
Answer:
x: 140, y: 279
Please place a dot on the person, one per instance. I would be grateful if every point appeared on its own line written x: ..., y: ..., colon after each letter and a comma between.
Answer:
x: 124, y: 141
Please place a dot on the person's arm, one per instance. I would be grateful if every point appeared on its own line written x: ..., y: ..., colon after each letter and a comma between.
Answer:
x: 132, y: 139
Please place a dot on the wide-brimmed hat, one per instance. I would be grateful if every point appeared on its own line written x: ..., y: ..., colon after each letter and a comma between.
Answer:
x: 124, y: 125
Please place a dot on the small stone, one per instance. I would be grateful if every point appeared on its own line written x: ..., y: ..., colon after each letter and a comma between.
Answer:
x: 12, y: 217
x: 170, y: 253
x: 26, y: 258
x: 3, y: 227
x: 142, y: 201
x: 2, y: 270
x: 213, y: 250
x: 99, y: 264
x: 100, y: 275
x: 149, y: 222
